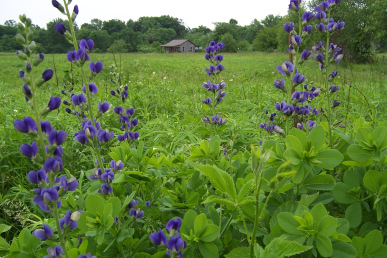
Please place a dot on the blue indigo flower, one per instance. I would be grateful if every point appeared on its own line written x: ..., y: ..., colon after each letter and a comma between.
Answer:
x: 29, y: 151
x: 323, y: 6
x: 315, y: 111
x: 279, y: 106
x: 208, y: 56
x: 27, y: 91
x: 124, y: 95
x: 92, y: 88
x: 219, y: 67
x: 332, y: 75
x: 95, y: 68
x: 108, y: 176
x: 321, y: 15
x: 320, y: 27
x: 218, y: 121
x: 118, y: 110
x: 337, y: 57
x: 294, y: 5
x: 113, y: 92
x: 88, y: 255
x: 279, y: 84
x: 55, y: 151
x: 311, y: 124
x: 82, y: 55
x: 298, y: 78
x: 288, y: 110
x: 104, y: 107
x: 133, y: 122
x: 54, y: 103
x: 81, y: 137
x: 286, y: 68
x: 334, y: 88
x: 300, y: 96
x: 71, y: 56
x: 105, y: 189
x: 76, y: 9
x: 60, y: 28
x: 303, y: 110
x: 218, y: 58
x: 306, y: 55
x: 27, y: 125
x: 57, y: 138
x: 68, y: 185
x: 278, y: 129
x: 147, y: 203
x: 176, y: 244
x: 36, y: 177
x: 318, y: 47
x: 307, y: 17
x: 47, y: 74
x: 300, y: 126
x: 320, y: 58
x: 289, y: 27
x: 104, y: 136
x: 206, y: 119
x: 116, y: 166
x: 174, y: 225
x: 43, y: 234
x: 296, y: 40
x: 130, y: 111
x: 53, y: 164
x: 133, y: 136
x: 86, y: 44
x: 45, y: 197
x: 28, y: 67
x: 78, y: 99
x: 132, y: 204
x: 335, y: 103
x: 70, y: 220
x: 54, y: 252
x: 158, y: 238
x: 136, y: 213
x: 307, y: 29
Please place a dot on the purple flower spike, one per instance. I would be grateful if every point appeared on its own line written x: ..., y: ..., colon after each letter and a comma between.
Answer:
x: 54, y: 103
x: 36, y: 177
x: 54, y: 252
x: 289, y: 27
x: 158, y: 238
x: 26, y: 126
x: 29, y: 151
x: 279, y: 84
x: 43, y: 234
x: 60, y: 28
x: 174, y: 225
x: 95, y: 68
x: 47, y: 74
x: 45, y: 197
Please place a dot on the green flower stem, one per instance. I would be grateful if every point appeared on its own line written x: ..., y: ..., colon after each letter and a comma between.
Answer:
x: 244, y: 224
x: 329, y: 112
x: 61, y: 236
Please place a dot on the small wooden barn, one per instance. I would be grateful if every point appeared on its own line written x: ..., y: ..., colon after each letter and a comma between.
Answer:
x: 179, y: 46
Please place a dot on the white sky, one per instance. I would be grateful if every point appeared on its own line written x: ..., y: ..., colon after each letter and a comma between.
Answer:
x: 193, y: 13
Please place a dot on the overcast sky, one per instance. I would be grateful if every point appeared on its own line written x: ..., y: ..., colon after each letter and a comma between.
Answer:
x: 193, y: 13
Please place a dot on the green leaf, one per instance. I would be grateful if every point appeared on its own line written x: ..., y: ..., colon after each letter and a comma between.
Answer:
x: 329, y: 158
x: 358, y: 154
x: 324, y: 246
x: 210, y: 234
x: 116, y: 206
x: 317, y: 138
x: 372, y: 180
x: 95, y: 204
x: 358, y: 244
x: 4, y: 246
x: 219, y: 200
x: 208, y: 250
x: 4, y: 228
x: 342, y: 194
x: 295, y: 143
x: 288, y: 223
x: 364, y: 138
x: 354, y: 214
x: 379, y: 135
x: 292, y: 155
x: 343, y: 250
x: 280, y: 247
x: 215, y: 145
x: 188, y: 222
x: 321, y: 182
x: 240, y: 252
x: 318, y: 212
x: 219, y: 178
x: 200, y: 224
x: 373, y: 241
x: 327, y: 226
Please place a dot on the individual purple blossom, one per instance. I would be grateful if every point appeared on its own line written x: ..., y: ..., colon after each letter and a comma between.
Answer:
x: 104, y: 136
x: 60, y: 28
x: 70, y: 184
x: 113, y: 92
x: 315, y: 111
x: 97, y: 174
x: 218, y: 121
x: 298, y: 78
x: 294, y: 5
x: 332, y: 75
x: 132, y: 204
x: 307, y: 17
x: 320, y: 27
x: 130, y: 111
x: 320, y: 58
x: 47, y: 74
x: 28, y: 67
x: 26, y: 125
x: 318, y: 47
x: 78, y: 99
x: 86, y: 44
x: 118, y: 110
x: 54, y: 103
x: 300, y: 126
x: 176, y: 244
x: 306, y: 55
x: 76, y: 9
x: 27, y: 90
x: 218, y: 58
x: 334, y: 88
x: 335, y: 103
x: 95, y: 68
x: 279, y: 84
x: 29, y: 151
x: 133, y: 136
x: 289, y: 27
x: 57, y: 138
x: 321, y: 15
x: 147, y: 203
x: 288, y: 110
x: 104, y: 107
x: 105, y: 189
x: 311, y: 124
x: 158, y: 238
x: 71, y: 56
x: 337, y: 57
x: 116, y: 166
x: 82, y: 55
x: 81, y: 137
x: 136, y: 213
x: 286, y: 68
x: 54, y: 252
x: 70, y: 220
x: 296, y: 40
x: 300, y: 96
x: 36, y: 177
x: 302, y: 110
x: 88, y: 255
x: 124, y: 95
x: 92, y: 88
x: 307, y: 29
x: 174, y: 225
x: 53, y: 164
x: 219, y: 67
x: 323, y: 6
x: 207, y: 56
x: 45, y: 197
x: 43, y: 234
x: 108, y: 176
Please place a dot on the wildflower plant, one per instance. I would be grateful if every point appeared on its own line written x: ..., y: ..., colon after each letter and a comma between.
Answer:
x: 215, y: 86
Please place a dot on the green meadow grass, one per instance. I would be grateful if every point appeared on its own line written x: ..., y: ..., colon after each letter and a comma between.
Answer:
x: 166, y: 91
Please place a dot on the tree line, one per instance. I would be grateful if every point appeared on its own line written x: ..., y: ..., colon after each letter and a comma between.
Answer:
x: 365, y: 32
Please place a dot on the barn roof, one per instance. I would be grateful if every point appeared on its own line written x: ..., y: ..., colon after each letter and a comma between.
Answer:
x: 176, y: 43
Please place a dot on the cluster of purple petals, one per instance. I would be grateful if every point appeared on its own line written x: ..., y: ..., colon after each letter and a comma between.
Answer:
x: 126, y: 123
x: 286, y: 109
x: 43, y: 234
x: 286, y: 68
x: 45, y: 197
x: 81, y: 55
x: 212, y: 55
x: 213, y: 87
x: 70, y: 220
x: 215, y: 120
x: 310, y: 124
x: 54, y: 252
x: 92, y: 88
x: 89, y: 132
x: 123, y: 93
